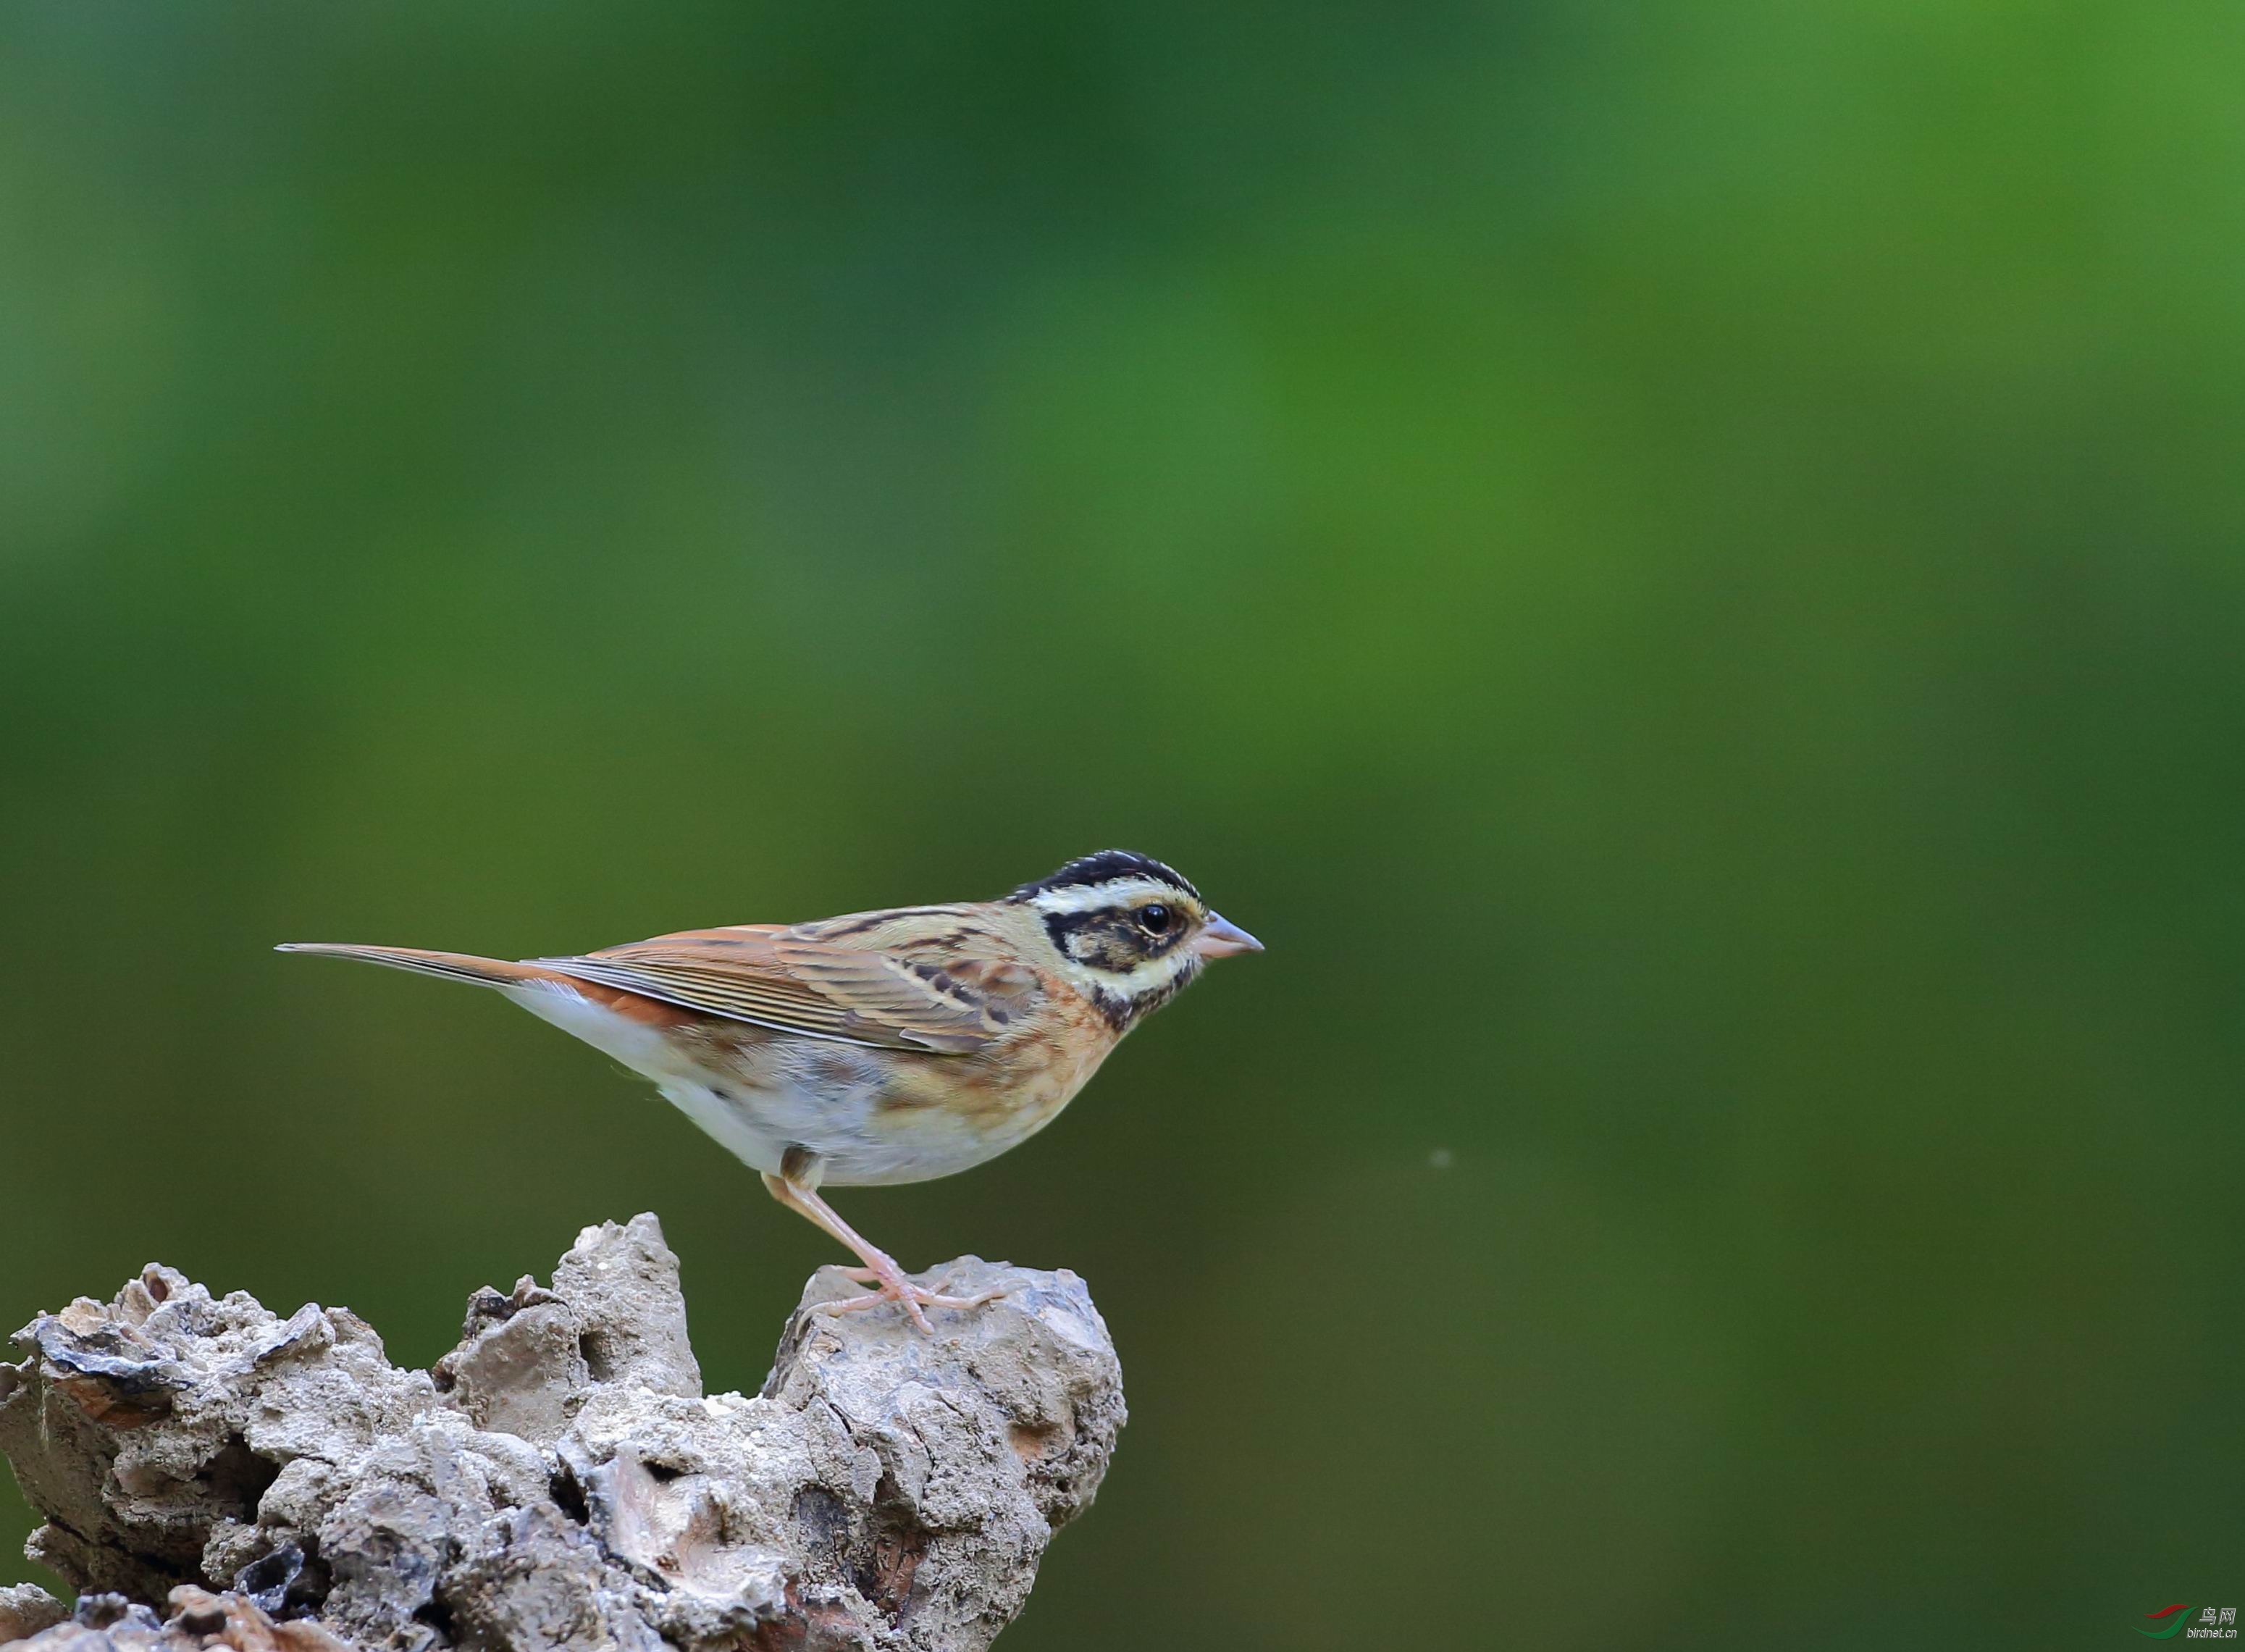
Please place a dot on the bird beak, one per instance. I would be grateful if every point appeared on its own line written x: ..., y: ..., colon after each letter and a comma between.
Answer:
x: 1221, y: 938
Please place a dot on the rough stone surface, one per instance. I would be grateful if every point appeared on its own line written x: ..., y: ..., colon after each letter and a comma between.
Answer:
x: 198, y: 1620
x: 25, y: 1609
x: 557, y: 1480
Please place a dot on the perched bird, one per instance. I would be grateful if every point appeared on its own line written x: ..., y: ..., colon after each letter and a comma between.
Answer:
x: 878, y: 1047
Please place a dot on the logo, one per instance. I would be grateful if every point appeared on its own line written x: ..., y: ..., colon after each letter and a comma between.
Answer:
x: 2211, y: 1623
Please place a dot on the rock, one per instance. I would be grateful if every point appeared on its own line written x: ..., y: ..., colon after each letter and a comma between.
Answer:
x: 199, y: 1620
x: 557, y: 1480
x: 26, y: 1609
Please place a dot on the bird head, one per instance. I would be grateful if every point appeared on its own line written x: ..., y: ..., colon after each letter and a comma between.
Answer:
x: 1131, y: 932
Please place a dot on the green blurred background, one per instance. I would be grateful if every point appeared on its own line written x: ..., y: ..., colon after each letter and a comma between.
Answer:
x: 1680, y: 563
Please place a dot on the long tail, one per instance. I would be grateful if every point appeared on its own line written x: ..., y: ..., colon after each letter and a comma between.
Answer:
x: 498, y: 972
x: 450, y: 966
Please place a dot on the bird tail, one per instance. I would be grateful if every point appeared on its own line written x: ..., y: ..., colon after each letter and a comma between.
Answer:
x: 449, y: 966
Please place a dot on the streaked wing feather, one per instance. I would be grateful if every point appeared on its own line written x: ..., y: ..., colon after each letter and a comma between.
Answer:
x: 793, y: 981
x: 918, y: 1001
x: 735, y: 997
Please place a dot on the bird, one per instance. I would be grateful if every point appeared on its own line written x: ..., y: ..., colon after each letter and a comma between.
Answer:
x: 876, y: 1048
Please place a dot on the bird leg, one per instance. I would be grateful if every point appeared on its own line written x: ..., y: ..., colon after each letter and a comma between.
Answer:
x: 880, y: 1268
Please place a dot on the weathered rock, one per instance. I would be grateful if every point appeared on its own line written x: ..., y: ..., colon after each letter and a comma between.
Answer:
x: 557, y: 1480
x: 25, y: 1608
x: 199, y: 1620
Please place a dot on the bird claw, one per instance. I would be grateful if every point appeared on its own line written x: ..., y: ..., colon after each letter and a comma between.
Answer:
x: 897, y: 1288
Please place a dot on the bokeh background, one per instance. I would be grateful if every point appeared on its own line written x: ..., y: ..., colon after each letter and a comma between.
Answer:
x: 1680, y: 563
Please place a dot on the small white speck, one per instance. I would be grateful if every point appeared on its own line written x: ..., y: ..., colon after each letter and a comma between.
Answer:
x: 1440, y: 1158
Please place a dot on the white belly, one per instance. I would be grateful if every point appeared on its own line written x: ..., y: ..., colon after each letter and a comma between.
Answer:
x: 648, y: 1052
x: 818, y: 1095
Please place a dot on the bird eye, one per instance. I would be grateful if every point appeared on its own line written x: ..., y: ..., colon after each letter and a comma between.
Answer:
x: 1154, y: 920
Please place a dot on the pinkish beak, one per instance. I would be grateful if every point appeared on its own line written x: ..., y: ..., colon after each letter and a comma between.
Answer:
x: 1221, y: 938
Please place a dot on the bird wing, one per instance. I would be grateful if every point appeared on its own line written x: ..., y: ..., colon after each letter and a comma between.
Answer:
x: 898, y: 995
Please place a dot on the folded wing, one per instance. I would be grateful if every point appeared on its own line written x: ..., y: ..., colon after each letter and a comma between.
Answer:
x: 897, y: 996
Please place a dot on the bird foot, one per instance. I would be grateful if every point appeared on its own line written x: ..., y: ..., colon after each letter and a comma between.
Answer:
x: 895, y: 1288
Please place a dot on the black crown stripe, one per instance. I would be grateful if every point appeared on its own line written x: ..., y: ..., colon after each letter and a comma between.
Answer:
x: 1104, y: 867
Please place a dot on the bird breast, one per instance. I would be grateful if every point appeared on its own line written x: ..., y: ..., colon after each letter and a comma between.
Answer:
x: 875, y: 1116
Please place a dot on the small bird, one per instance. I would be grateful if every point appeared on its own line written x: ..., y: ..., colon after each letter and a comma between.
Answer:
x: 878, y: 1047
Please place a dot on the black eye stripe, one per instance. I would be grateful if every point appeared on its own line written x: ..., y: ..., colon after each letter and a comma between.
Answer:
x: 1110, y: 938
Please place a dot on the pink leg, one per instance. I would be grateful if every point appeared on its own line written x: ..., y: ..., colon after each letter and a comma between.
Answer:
x: 880, y: 1268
